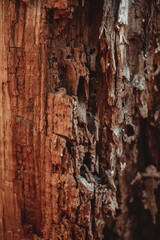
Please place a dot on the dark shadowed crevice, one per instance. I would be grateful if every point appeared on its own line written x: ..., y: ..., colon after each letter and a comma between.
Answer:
x: 81, y: 90
x: 144, y: 158
x: 129, y: 130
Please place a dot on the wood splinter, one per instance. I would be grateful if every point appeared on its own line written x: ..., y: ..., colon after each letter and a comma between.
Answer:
x: 151, y: 172
x: 103, y: 28
x: 120, y: 26
x: 157, y: 57
x: 122, y: 38
x: 122, y: 20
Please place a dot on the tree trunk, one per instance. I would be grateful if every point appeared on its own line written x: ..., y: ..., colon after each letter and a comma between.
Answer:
x: 79, y: 119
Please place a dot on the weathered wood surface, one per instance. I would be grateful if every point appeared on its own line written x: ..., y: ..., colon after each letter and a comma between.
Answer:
x: 79, y: 119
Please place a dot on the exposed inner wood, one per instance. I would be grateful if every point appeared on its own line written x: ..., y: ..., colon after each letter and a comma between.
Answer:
x: 79, y: 119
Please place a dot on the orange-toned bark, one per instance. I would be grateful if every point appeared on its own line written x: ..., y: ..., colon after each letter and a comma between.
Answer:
x: 79, y: 118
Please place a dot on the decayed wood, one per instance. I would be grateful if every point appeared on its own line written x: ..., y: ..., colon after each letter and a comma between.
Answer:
x: 79, y: 119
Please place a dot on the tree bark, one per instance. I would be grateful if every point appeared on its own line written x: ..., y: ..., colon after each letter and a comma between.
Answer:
x: 79, y: 119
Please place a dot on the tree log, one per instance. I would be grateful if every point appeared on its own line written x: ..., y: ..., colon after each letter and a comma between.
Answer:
x: 79, y: 119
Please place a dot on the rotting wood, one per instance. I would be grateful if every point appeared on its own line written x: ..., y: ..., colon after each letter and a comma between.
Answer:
x: 80, y: 118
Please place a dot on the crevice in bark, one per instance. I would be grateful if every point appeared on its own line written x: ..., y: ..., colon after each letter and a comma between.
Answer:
x: 80, y: 120
x: 144, y: 152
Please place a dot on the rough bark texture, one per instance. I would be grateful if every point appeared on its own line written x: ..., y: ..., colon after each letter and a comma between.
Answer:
x: 79, y: 119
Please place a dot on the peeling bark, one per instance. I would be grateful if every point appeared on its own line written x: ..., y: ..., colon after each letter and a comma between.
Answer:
x: 79, y: 119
